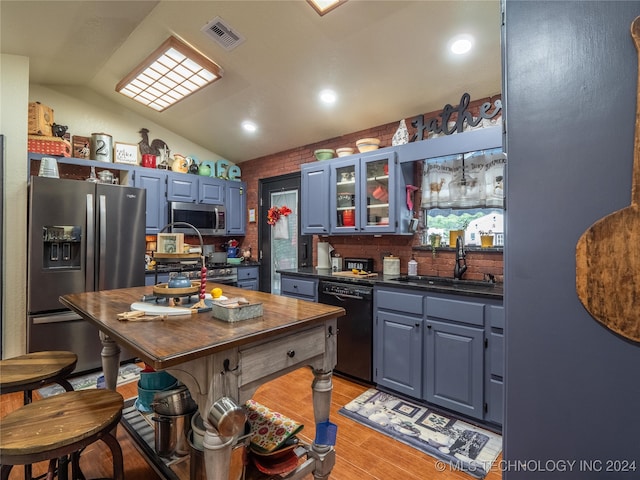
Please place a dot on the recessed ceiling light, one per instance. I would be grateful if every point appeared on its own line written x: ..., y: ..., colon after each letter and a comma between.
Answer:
x: 461, y: 44
x: 249, y: 126
x: 328, y: 96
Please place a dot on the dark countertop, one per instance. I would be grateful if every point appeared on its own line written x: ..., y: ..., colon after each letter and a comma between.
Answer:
x: 196, y: 267
x: 422, y: 283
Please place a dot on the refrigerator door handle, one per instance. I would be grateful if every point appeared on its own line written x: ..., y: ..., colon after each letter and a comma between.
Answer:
x: 90, y: 244
x: 102, y: 242
x: 56, y: 318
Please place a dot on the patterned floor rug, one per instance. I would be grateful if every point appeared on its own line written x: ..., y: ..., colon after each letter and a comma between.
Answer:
x: 128, y: 373
x: 459, y: 444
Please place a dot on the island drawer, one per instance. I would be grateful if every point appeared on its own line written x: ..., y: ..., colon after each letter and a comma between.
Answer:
x: 274, y: 356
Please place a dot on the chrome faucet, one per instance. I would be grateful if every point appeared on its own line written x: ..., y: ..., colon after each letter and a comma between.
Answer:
x: 458, y: 270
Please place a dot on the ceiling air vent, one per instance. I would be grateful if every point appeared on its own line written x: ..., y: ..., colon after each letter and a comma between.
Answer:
x: 222, y: 33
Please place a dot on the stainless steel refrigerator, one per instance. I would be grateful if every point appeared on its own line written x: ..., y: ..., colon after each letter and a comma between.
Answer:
x: 83, y: 237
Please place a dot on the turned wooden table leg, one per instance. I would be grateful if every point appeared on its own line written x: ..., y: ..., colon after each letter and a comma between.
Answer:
x: 110, y: 361
x: 324, y: 455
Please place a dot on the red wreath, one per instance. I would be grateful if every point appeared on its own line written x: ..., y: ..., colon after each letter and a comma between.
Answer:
x: 275, y: 213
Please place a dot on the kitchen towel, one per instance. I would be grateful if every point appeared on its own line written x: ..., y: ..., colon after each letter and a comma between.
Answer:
x: 269, y: 429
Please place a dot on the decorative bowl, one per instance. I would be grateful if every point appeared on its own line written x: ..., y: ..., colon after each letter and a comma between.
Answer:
x: 156, y: 380
x: 368, y: 144
x: 344, y: 151
x: 324, y: 154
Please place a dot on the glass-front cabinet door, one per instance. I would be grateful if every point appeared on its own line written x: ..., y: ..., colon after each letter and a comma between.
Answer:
x: 346, y: 194
x: 378, y: 208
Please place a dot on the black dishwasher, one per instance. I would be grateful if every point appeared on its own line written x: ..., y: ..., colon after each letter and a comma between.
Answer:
x: 355, y: 329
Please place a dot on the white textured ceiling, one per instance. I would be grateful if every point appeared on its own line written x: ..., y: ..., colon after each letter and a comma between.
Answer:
x: 386, y: 59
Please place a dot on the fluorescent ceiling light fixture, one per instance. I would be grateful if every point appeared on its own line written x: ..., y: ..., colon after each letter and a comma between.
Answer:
x: 171, y: 73
x: 328, y: 96
x: 249, y: 126
x: 461, y: 44
x: 325, y: 6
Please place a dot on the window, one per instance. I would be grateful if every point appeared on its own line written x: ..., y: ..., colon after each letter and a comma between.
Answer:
x: 464, y: 192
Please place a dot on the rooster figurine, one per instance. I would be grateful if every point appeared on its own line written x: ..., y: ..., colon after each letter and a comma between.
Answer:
x: 154, y: 148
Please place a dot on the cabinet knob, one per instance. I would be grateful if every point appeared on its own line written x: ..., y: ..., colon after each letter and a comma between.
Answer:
x: 428, y: 326
x: 417, y: 324
x: 291, y: 353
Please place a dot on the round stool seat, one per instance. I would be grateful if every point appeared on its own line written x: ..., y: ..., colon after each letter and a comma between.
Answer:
x: 34, y: 370
x: 59, y: 425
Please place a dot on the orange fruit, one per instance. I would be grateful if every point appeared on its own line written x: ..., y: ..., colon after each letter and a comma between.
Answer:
x: 216, y: 292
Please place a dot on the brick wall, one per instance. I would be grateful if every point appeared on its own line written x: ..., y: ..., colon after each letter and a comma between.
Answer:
x: 366, y: 246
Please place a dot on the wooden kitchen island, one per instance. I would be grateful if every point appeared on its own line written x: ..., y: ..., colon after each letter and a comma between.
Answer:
x: 214, y: 358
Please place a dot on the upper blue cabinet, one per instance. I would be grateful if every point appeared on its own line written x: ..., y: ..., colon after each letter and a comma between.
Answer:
x: 358, y: 194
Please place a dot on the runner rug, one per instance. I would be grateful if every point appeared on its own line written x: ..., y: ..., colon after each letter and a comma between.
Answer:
x: 128, y: 373
x: 459, y: 444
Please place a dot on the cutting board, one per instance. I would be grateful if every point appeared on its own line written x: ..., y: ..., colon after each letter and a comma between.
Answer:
x: 153, y: 308
x: 607, y: 254
x: 353, y: 275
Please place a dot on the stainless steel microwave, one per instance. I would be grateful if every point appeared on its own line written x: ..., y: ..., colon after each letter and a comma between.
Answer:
x: 208, y: 219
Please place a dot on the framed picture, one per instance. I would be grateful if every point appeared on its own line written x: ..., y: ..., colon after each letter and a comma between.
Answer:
x: 170, y: 242
x: 125, y: 153
x: 81, y: 147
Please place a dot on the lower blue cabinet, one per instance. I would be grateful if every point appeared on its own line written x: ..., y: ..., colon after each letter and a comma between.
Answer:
x: 453, y: 371
x: 445, y: 349
x: 248, y: 277
x: 398, y: 353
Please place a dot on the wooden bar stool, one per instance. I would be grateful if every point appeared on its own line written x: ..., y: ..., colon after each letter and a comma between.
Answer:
x: 61, y: 425
x: 35, y: 370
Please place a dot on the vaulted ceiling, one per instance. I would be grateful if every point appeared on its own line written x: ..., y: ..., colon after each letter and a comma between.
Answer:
x: 386, y: 60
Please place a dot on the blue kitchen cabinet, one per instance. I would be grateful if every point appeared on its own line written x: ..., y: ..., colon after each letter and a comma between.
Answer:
x: 150, y: 278
x: 398, y: 349
x: 398, y: 364
x: 362, y: 194
x: 186, y: 187
x: 379, y: 202
x: 236, y: 206
x: 352, y: 195
x: 212, y: 190
x: 248, y: 277
x: 453, y: 371
x: 155, y: 183
x: 494, y: 367
x: 344, y: 195
x: 182, y: 187
x: 443, y: 348
x: 300, y: 288
x: 314, y: 198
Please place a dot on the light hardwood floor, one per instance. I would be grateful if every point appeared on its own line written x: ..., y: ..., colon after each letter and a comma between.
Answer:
x: 362, y: 454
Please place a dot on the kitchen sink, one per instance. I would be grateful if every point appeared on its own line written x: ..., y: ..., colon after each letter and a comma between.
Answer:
x: 429, y: 280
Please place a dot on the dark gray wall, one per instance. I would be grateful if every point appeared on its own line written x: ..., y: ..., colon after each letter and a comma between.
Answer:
x: 573, y: 387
